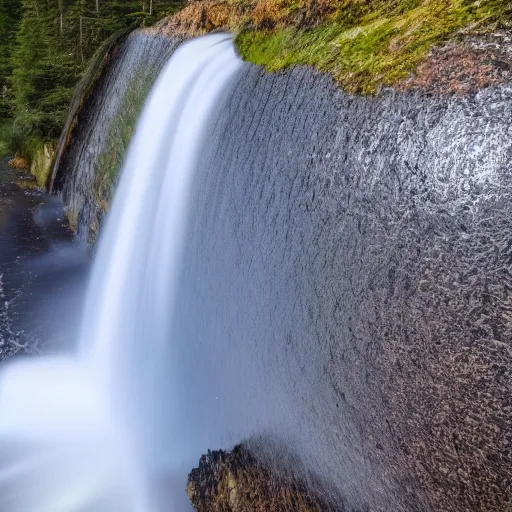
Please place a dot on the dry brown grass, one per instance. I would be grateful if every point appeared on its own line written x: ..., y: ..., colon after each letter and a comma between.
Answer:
x: 19, y: 162
x: 203, y: 16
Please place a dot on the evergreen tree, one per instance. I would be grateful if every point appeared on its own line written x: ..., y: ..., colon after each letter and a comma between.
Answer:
x: 45, y: 70
x: 55, y: 39
x: 10, y: 13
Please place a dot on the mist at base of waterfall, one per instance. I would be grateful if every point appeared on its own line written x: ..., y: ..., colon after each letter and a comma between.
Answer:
x: 61, y: 448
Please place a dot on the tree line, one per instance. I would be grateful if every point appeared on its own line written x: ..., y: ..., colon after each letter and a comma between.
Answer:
x: 45, y: 46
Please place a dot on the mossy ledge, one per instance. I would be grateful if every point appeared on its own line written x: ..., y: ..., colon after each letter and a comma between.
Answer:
x: 364, y: 45
x: 99, y: 62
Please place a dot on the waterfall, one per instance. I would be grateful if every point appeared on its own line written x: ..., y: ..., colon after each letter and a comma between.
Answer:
x: 83, y: 432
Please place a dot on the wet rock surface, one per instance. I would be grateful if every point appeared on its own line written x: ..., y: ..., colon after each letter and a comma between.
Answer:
x: 134, y: 63
x: 236, y: 482
x: 360, y: 250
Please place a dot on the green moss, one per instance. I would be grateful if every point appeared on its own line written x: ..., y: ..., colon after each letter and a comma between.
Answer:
x: 364, y: 48
x: 41, y: 162
x: 119, y: 135
x: 85, y: 87
x: 5, y: 135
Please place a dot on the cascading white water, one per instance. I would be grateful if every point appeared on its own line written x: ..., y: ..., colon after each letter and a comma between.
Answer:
x: 83, y: 432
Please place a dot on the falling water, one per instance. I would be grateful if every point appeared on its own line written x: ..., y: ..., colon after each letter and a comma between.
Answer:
x: 82, y: 432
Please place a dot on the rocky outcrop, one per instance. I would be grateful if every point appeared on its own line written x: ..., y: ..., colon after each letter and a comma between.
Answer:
x: 236, y: 482
x: 100, y: 61
x: 464, y: 66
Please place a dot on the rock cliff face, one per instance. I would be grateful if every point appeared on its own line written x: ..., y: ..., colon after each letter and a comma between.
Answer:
x: 41, y: 165
x: 98, y: 131
x: 382, y: 226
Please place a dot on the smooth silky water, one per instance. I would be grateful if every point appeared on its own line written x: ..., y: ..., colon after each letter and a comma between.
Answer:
x: 86, y: 432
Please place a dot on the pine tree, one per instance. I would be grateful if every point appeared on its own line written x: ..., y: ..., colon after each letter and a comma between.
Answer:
x: 45, y: 69
x: 55, y: 39
x: 10, y: 14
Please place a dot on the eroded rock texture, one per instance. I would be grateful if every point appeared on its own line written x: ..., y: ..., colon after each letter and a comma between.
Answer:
x: 347, y: 285
x: 236, y: 482
x: 374, y: 237
x: 464, y: 66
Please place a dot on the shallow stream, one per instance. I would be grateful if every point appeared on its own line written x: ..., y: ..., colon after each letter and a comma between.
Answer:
x: 42, y: 270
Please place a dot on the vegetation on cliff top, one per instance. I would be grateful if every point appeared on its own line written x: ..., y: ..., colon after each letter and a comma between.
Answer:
x: 363, y: 44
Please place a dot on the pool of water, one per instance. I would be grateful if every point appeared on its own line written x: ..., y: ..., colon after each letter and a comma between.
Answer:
x: 42, y: 270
